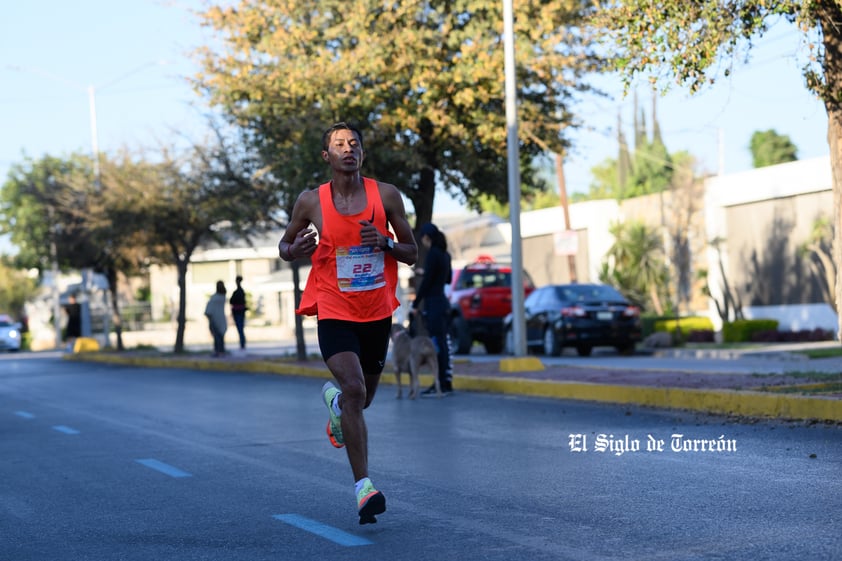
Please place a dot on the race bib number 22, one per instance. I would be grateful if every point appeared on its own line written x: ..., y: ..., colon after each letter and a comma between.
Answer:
x: 359, y: 267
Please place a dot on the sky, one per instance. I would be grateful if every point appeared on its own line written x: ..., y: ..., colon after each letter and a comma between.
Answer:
x: 136, y: 55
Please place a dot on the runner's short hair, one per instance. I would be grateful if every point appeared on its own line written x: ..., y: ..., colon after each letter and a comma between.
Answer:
x: 340, y: 126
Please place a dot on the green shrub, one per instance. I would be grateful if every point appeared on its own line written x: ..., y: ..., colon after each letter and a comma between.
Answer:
x: 684, y: 325
x: 742, y: 330
x: 647, y: 324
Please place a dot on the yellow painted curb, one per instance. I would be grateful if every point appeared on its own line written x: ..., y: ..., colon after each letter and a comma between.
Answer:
x: 258, y: 366
x: 85, y: 345
x: 521, y: 364
x: 743, y: 403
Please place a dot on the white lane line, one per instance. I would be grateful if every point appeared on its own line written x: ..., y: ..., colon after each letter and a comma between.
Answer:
x: 160, y: 466
x: 24, y: 414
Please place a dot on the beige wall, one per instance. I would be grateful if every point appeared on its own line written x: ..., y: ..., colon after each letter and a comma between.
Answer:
x: 763, y: 240
x: 545, y: 267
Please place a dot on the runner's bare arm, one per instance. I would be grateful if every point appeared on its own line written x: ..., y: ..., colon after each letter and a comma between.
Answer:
x: 299, y: 240
x: 406, y: 251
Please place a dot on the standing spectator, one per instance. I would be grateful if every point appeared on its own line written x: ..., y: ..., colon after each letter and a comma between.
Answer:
x: 436, y: 307
x: 238, y: 311
x: 218, y: 323
x: 74, y: 322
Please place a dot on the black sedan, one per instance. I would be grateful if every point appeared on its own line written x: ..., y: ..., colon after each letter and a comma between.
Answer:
x: 582, y: 316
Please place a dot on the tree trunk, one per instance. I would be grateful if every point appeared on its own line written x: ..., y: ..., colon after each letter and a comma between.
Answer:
x: 829, y: 16
x: 116, y: 315
x: 300, y: 343
x: 656, y: 300
x: 181, y: 265
x: 426, y: 192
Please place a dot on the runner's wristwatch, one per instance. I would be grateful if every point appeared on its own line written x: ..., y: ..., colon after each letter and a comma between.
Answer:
x: 390, y: 244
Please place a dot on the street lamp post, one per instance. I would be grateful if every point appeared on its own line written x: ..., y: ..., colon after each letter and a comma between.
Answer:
x: 91, y: 91
x: 518, y: 316
x: 94, y: 140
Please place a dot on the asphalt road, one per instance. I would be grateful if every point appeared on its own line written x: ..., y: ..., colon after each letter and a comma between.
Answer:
x: 109, y: 463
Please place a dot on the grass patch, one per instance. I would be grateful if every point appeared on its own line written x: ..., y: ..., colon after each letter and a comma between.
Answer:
x: 724, y: 346
x: 830, y: 352
x: 809, y: 389
x: 821, y: 377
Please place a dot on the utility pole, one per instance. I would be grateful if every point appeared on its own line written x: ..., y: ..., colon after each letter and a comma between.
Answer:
x: 565, y: 206
x: 55, y: 289
x: 518, y: 316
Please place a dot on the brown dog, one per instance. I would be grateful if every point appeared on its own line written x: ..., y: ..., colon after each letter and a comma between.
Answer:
x: 410, y: 355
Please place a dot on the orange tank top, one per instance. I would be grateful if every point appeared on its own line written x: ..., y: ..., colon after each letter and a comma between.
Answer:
x: 349, y: 281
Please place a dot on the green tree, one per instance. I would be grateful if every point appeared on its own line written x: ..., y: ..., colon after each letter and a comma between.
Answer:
x: 635, y: 264
x: 16, y: 288
x: 184, y: 197
x: 769, y: 148
x: 54, y: 208
x: 422, y: 78
x: 692, y: 43
x: 604, y: 182
x: 39, y: 210
x: 652, y: 170
x: 536, y: 201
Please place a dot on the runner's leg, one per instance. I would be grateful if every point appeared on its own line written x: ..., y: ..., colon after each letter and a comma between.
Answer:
x: 345, y: 367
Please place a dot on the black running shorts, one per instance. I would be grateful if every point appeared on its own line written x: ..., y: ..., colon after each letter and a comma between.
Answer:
x: 368, y: 340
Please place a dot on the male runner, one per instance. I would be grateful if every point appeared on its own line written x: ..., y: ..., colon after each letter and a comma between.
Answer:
x: 351, y: 288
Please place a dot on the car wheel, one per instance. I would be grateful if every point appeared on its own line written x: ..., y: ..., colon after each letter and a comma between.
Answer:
x: 493, y: 346
x: 584, y: 350
x: 551, y: 346
x: 625, y: 349
x: 460, y: 337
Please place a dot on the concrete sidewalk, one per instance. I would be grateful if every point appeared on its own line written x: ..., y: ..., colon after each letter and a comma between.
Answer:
x: 772, y: 382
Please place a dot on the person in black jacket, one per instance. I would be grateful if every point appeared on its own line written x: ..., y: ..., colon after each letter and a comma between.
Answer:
x: 238, y: 311
x: 436, y: 307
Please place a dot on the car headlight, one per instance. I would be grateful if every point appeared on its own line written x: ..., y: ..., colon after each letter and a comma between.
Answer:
x: 14, y: 334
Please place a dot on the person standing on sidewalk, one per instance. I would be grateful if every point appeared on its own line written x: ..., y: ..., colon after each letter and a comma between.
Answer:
x: 217, y: 322
x: 238, y: 310
x: 351, y: 289
x: 436, y: 275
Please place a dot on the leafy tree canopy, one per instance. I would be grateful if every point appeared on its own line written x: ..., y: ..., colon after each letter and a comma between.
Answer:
x: 40, y: 205
x: 692, y: 43
x: 769, y: 148
x: 423, y: 79
x: 16, y: 287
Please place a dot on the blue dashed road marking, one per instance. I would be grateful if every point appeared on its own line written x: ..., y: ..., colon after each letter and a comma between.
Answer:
x: 65, y: 430
x: 323, y: 530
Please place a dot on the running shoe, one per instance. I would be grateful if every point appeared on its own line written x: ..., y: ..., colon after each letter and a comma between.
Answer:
x: 334, y: 423
x: 370, y: 502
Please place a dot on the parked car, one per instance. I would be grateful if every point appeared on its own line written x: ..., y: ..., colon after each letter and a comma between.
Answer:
x: 480, y: 298
x: 582, y: 316
x: 10, y: 334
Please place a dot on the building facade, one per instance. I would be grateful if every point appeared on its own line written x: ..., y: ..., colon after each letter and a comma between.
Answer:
x: 743, y: 231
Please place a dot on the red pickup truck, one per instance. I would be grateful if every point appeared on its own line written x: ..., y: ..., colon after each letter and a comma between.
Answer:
x: 480, y: 298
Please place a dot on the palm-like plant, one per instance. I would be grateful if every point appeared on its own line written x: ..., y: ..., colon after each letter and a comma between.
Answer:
x: 635, y: 264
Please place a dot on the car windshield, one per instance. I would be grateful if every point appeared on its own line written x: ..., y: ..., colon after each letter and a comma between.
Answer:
x: 589, y: 293
x: 485, y: 279
x: 4, y: 323
x: 489, y: 278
